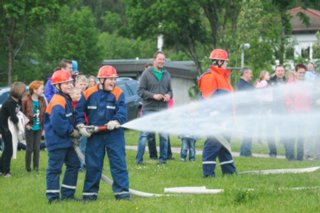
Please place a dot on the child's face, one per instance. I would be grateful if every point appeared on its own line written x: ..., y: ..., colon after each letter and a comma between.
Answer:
x: 66, y: 87
x: 39, y: 91
x: 109, y: 84
x: 75, y: 95
x: 92, y: 82
x: 82, y: 85
x: 267, y: 76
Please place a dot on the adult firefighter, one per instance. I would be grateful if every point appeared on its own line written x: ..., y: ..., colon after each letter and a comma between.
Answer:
x: 104, y: 104
x: 59, y: 122
x: 214, y: 82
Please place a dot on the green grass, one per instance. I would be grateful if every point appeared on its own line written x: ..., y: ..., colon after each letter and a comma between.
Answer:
x: 25, y: 192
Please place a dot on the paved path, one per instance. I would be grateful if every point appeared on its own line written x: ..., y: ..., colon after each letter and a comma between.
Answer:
x: 199, y: 152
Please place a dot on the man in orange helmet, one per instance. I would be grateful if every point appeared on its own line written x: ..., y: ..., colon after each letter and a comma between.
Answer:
x: 214, y: 82
x: 104, y: 104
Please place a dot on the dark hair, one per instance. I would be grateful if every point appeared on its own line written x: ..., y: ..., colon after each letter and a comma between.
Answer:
x: 63, y: 63
x: 157, y: 53
x: 245, y: 69
x: 279, y: 65
x: 300, y: 66
x: 17, y: 90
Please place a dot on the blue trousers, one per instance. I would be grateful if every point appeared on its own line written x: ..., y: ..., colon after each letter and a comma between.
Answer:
x: 114, y: 143
x: 188, y: 144
x: 245, y: 149
x: 142, y: 144
x: 55, y: 162
x: 211, y: 150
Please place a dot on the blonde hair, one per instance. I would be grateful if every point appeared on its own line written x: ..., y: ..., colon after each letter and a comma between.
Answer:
x: 81, y: 78
x: 262, y: 74
x: 17, y: 90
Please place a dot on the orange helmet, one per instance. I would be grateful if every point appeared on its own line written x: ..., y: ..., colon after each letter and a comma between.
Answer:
x: 60, y: 76
x: 107, y: 72
x: 219, y: 54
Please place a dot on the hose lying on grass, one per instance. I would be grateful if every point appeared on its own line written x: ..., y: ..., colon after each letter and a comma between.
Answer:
x: 280, y: 171
x: 110, y: 182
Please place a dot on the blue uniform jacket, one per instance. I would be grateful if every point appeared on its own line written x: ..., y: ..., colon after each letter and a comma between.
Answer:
x: 59, y: 120
x: 102, y: 106
x: 49, y: 90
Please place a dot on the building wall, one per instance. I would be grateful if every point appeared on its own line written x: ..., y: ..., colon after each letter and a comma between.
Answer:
x: 303, y: 41
x: 180, y: 88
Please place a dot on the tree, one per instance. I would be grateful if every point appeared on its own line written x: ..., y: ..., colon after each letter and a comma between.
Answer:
x: 178, y: 21
x: 73, y: 36
x: 17, y: 20
x: 259, y: 26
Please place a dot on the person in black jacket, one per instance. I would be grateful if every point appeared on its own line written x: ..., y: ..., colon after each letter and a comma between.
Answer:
x: 278, y: 107
x: 244, y: 84
x: 10, y: 109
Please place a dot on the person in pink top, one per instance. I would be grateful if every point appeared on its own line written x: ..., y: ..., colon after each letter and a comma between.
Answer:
x: 298, y: 101
x: 265, y: 108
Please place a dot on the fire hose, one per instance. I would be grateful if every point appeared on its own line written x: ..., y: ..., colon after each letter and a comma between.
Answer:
x: 104, y: 178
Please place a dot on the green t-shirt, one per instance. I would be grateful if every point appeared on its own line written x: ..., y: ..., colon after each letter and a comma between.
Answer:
x: 36, y: 115
x: 157, y: 73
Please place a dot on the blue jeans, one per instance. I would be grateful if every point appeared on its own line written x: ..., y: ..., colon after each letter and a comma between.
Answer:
x: 142, y: 144
x: 245, y: 149
x: 188, y: 144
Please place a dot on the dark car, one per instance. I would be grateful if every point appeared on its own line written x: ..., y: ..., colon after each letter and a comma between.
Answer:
x: 129, y: 87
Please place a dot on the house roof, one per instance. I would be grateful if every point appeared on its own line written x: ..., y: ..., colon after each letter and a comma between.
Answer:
x: 297, y: 24
x: 134, y: 67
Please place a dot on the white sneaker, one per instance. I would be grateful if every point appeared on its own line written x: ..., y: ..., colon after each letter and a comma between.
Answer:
x: 7, y: 175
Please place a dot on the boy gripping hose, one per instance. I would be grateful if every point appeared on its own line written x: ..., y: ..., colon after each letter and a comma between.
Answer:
x: 104, y: 104
x: 59, y: 128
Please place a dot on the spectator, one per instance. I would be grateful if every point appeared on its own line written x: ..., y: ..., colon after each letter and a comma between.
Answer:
x: 49, y: 89
x: 10, y: 108
x: 265, y: 107
x: 81, y: 83
x: 34, y: 107
x: 188, y: 143
x: 92, y: 81
x: 311, y: 74
x: 298, y: 101
x: 155, y: 91
x: 242, y: 85
x: 278, y: 107
x: 216, y: 82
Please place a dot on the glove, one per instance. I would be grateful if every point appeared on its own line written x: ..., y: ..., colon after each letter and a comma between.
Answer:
x: 112, y: 125
x: 83, y: 131
x: 75, y: 134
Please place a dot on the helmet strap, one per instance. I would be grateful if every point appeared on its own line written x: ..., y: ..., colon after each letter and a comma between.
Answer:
x: 220, y: 64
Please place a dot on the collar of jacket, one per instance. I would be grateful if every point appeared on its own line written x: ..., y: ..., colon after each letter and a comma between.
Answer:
x: 220, y: 71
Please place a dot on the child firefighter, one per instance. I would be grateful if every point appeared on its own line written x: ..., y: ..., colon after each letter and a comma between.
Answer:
x: 59, y: 125
x: 104, y: 104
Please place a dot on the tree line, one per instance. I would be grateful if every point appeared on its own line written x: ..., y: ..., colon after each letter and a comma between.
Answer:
x: 36, y: 35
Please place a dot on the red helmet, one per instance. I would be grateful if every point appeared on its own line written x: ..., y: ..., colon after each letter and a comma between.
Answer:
x: 60, y: 76
x: 219, y: 54
x: 107, y: 72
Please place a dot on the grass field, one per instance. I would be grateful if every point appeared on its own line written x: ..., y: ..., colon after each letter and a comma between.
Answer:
x: 25, y: 192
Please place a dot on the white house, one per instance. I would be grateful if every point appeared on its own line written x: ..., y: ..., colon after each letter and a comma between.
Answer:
x: 304, y: 36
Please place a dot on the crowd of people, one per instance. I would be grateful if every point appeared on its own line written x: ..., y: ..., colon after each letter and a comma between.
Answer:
x: 69, y: 104
x: 292, y: 101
